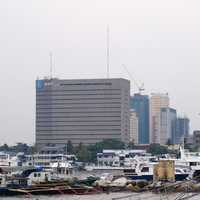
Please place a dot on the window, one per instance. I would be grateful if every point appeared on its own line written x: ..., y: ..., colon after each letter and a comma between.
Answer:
x: 178, y: 171
x: 145, y: 169
x: 129, y: 171
x: 193, y: 163
x: 121, y: 158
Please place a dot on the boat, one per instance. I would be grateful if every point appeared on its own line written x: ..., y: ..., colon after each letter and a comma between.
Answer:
x: 190, y: 159
x: 79, y: 190
x: 141, y: 168
x: 145, y: 171
x: 37, y: 181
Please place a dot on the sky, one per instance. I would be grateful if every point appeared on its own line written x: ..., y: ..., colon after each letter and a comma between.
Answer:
x: 157, y: 40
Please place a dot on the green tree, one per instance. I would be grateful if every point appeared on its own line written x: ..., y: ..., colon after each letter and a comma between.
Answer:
x: 70, y: 148
x: 105, y: 144
x: 157, y: 149
x: 31, y: 149
x: 83, y: 154
x: 131, y: 145
x: 110, y: 144
x: 20, y: 147
x: 4, y: 147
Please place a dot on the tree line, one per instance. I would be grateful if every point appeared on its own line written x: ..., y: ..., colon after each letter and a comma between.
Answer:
x: 88, y: 153
x: 19, y: 147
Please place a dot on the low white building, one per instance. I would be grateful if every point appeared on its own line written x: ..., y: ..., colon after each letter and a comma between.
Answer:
x: 118, y: 158
x: 45, y: 160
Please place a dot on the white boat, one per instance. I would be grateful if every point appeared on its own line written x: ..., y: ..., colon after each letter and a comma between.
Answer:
x: 62, y: 169
x: 45, y: 160
x: 141, y: 169
x: 190, y: 160
x: 145, y: 171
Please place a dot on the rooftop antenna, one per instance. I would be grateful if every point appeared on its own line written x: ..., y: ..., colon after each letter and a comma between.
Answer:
x: 51, y: 64
x: 108, y: 51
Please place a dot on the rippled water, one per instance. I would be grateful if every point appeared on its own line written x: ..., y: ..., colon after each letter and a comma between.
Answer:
x: 127, y: 196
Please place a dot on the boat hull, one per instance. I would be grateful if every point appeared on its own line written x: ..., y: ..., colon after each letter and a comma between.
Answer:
x: 178, y: 177
x: 48, y: 191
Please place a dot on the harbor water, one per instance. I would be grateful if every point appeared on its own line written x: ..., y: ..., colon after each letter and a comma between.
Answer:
x: 111, y: 196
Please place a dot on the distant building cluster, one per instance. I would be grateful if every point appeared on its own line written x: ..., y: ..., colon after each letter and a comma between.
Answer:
x: 157, y: 121
x: 90, y: 110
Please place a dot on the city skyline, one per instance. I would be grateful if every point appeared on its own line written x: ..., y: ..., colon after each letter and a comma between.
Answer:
x: 157, y: 41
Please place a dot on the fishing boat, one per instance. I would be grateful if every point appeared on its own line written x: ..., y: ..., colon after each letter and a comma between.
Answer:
x: 38, y: 181
x: 79, y: 190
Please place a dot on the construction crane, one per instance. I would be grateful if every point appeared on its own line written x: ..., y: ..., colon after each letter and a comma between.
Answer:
x: 140, y: 87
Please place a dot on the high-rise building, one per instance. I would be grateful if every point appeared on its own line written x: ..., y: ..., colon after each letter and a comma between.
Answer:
x: 196, y: 139
x: 168, y: 118
x: 134, y: 127
x: 82, y: 111
x: 140, y: 103
x: 182, y: 129
x: 157, y: 101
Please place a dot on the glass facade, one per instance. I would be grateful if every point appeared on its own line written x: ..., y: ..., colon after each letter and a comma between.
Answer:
x: 182, y: 129
x: 140, y: 103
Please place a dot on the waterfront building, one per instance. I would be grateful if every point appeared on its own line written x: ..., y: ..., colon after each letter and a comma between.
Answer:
x: 82, y: 111
x: 8, y: 159
x: 5, y: 159
x: 182, y: 129
x: 134, y: 133
x: 157, y: 101
x: 168, y: 118
x: 117, y: 158
x: 140, y: 103
x: 45, y: 160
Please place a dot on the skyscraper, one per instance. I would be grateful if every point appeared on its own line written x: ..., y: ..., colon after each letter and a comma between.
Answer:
x: 140, y: 103
x: 134, y: 122
x: 168, y: 118
x: 182, y: 129
x: 83, y: 110
x: 157, y: 101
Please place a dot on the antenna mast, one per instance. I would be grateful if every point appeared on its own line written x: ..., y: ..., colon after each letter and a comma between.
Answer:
x: 51, y: 64
x: 108, y: 51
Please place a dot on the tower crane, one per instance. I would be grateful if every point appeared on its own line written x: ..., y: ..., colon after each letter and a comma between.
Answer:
x: 139, y: 87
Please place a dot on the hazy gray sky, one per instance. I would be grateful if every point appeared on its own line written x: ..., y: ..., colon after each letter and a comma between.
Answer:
x: 158, y: 40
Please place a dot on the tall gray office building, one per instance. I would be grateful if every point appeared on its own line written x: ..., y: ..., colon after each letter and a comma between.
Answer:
x: 85, y: 110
